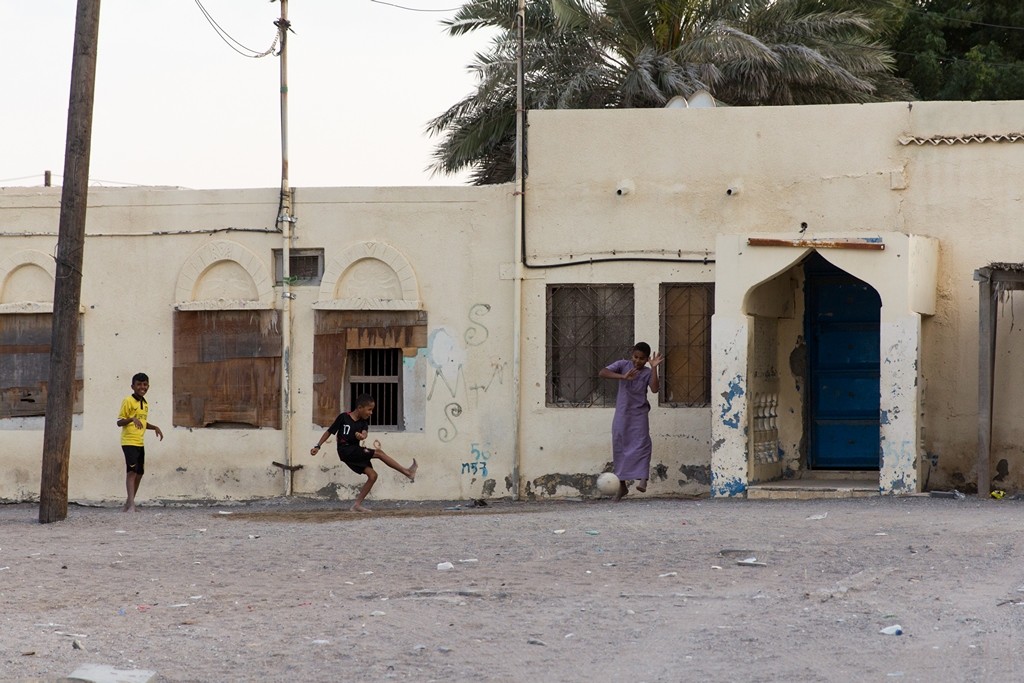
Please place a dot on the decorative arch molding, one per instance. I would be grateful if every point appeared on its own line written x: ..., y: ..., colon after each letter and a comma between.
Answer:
x: 19, y: 259
x: 380, y: 263
x: 255, y: 289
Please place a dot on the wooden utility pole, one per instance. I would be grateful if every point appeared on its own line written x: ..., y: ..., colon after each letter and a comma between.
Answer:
x: 67, y: 291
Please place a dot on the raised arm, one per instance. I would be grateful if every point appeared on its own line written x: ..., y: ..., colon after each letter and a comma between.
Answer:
x: 654, y: 362
x: 608, y: 374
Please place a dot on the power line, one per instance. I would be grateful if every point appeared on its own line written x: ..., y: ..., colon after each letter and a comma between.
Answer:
x: 924, y: 12
x: 232, y: 43
x: 415, y: 9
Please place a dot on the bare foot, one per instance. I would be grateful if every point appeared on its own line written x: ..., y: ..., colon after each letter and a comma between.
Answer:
x: 359, y: 508
x: 412, y: 470
x: 129, y: 509
x: 642, y: 488
x: 623, y: 490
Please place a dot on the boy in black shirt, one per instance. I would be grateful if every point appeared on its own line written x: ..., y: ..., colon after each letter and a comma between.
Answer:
x: 351, y: 429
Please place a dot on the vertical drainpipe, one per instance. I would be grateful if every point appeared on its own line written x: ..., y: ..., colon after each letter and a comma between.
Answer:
x: 285, y: 220
x: 517, y: 308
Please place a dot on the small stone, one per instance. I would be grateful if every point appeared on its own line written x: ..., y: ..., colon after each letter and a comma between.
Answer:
x: 77, y: 644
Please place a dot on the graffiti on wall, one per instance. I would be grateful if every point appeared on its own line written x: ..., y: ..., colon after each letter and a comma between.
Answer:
x: 479, y: 463
x: 450, y: 382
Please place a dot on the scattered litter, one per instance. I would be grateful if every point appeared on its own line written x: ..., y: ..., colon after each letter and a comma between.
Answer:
x: 715, y: 566
x: 569, y: 635
x: 468, y: 561
x: 592, y: 532
x: 321, y: 641
x: 180, y: 604
x: 76, y: 644
x: 558, y: 531
x: 881, y: 533
x: 751, y: 562
x: 377, y: 613
x: 998, y: 494
x: 823, y: 515
x: 454, y: 507
x: 224, y: 512
x: 3, y: 568
x: 667, y: 574
x: 535, y: 641
x: 195, y: 597
x: 894, y: 630
x: 120, y: 531
x: 252, y: 536
x: 366, y: 573
x: 445, y: 566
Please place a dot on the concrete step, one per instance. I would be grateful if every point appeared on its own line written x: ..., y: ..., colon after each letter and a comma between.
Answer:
x: 813, y: 488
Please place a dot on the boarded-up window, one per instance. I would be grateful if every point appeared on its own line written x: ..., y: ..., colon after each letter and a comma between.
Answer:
x: 686, y: 311
x: 25, y: 364
x: 588, y: 327
x: 377, y: 372
x: 353, y: 347
x: 227, y: 369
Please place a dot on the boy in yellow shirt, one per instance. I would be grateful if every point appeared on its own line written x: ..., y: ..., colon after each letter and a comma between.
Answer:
x: 134, y: 421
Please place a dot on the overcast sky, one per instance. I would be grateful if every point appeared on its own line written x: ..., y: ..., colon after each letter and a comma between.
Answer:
x: 176, y: 106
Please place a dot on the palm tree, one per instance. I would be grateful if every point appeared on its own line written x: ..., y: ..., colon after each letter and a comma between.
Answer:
x: 588, y: 54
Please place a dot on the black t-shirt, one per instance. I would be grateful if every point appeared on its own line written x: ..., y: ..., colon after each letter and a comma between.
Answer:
x: 346, y: 428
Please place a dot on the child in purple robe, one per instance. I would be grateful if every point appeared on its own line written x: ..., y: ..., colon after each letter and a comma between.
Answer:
x: 631, y: 430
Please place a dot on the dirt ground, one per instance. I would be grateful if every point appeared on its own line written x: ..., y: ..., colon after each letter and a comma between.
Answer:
x: 643, y: 590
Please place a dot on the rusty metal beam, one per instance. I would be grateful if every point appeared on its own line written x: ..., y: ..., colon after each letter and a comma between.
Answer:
x: 816, y: 244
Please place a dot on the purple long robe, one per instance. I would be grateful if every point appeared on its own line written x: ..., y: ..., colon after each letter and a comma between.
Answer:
x: 631, y: 431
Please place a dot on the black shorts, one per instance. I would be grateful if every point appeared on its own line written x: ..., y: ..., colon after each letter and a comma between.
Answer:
x: 135, y: 459
x: 357, y: 458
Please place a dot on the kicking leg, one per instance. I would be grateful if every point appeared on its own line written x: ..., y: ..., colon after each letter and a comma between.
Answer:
x: 371, y: 478
x: 623, y: 490
x: 409, y: 471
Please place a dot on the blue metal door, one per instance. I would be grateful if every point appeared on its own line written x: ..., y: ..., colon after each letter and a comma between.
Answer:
x: 842, y: 331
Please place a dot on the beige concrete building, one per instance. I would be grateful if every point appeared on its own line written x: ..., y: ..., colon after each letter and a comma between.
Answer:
x: 808, y: 272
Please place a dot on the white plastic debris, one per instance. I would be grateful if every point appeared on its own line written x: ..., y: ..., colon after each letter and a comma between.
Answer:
x: 445, y: 566
x: 894, y: 630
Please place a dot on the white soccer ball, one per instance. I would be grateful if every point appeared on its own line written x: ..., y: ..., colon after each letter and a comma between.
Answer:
x: 607, y: 483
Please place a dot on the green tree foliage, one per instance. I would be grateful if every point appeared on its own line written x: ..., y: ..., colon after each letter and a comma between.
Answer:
x: 963, y: 50
x: 587, y: 54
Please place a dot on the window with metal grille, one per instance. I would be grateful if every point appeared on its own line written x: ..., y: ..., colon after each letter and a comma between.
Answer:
x: 25, y: 364
x: 686, y: 310
x: 305, y: 266
x: 588, y: 328
x: 377, y: 372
